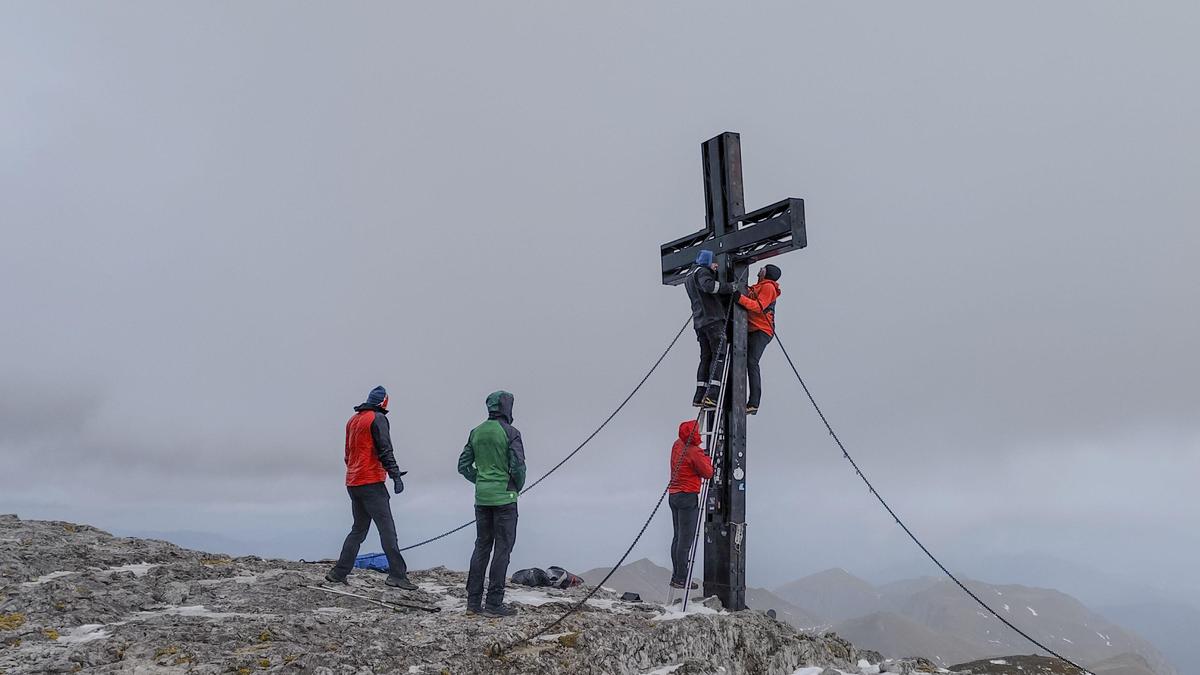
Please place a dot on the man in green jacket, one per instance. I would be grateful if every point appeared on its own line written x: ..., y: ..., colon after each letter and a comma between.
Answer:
x: 494, y: 460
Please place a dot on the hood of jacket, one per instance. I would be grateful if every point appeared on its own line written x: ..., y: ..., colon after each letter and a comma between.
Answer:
x: 688, y: 433
x: 370, y: 406
x: 778, y: 291
x: 500, y: 405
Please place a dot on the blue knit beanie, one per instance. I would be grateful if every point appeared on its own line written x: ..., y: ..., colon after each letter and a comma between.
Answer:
x: 704, y: 258
x: 377, y: 395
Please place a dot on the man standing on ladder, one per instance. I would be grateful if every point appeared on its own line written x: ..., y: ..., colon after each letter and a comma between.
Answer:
x: 689, y: 464
x: 759, y: 302
x: 704, y: 289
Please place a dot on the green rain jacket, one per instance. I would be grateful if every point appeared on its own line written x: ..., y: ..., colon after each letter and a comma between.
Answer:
x: 494, y: 457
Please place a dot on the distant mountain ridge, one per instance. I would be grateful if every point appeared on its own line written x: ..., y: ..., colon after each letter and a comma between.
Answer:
x: 934, y: 618
x: 834, y: 594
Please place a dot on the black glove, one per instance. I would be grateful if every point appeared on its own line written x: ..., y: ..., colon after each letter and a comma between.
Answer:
x: 399, y: 482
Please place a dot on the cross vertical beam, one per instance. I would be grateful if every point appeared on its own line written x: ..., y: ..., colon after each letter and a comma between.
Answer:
x: 725, y: 523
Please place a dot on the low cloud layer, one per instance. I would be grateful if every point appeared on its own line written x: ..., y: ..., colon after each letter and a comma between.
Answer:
x: 218, y: 236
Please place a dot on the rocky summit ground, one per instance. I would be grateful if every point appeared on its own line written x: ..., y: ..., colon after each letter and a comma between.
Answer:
x: 74, y: 598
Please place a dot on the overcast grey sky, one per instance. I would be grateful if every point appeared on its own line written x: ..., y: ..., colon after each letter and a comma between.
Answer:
x: 223, y: 223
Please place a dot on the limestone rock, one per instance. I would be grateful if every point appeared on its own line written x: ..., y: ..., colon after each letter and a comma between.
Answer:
x: 88, y: 601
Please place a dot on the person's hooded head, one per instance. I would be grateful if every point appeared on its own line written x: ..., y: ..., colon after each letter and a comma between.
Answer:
x: 688, y: 433
x: 500, y: 406
x: 705, y: 258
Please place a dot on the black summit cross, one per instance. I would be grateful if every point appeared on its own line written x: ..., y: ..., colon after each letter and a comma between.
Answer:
x: 736, y: 239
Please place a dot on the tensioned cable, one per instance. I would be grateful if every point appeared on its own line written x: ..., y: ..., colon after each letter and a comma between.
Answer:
x: 496, y: 650
x: 846, y: 454
x: 581, y: 445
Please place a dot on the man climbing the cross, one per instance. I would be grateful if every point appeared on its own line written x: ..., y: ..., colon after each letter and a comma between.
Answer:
x: 709, y: 311
x: 494, y: 460
x: 369, y: 461
x: 759, y: 302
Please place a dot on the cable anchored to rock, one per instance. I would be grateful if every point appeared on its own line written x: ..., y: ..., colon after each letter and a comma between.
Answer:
x: 928, y: 553
x: 497, y: 649
x: 587, y: 440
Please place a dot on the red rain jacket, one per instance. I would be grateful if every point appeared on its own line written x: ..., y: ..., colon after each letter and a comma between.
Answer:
x: 369, y: 456
x: 759, y: 301
x: 694, y: 465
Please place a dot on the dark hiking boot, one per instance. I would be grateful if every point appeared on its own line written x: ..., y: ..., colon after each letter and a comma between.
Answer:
x: 751, y: 410
x: 474, y: 609
x: 402, y: 583
x: 708, y: 402
x: 335, y: 579
x: 681, y: 585
x: 499, y: 611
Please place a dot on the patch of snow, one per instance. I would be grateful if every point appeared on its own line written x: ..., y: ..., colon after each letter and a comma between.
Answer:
x: 138, y: 569
x: 1032, y: 611
x: 1070, y: 642
x: 813, y: 670
x: 553, y: 636
x: 865, y: 667
x: 665, y: 670
x: 538, y: 598
x: 606, y: 588
x: 615, y: 606
x: 532, y: 598
x: 331, y: 610
x: 85, y: 633
x: 196, y: 611
x: 430, y: 587
x: 998, y: 662
x: 674, y: 612
x: 47, y: 577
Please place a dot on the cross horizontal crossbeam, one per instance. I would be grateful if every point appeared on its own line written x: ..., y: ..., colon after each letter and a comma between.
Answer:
x: 756, y: 236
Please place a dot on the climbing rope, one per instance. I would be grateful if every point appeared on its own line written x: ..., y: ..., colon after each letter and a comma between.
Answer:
x: 581, y: 445
x: 857, y: 470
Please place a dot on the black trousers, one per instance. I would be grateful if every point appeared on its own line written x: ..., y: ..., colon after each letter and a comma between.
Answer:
x: 685, y: 511
x: 756, y: 344
x: 371, y: 503
x: 712, y: 361
x: 495, y: 534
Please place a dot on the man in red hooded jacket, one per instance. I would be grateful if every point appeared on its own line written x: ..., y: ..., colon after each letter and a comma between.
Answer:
x: 759, y: 302
x: 689, y: 464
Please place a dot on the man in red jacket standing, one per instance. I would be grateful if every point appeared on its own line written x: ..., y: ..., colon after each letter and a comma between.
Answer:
x: 759, y: 302
x: 689, y: 464
x: 370, y: 460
